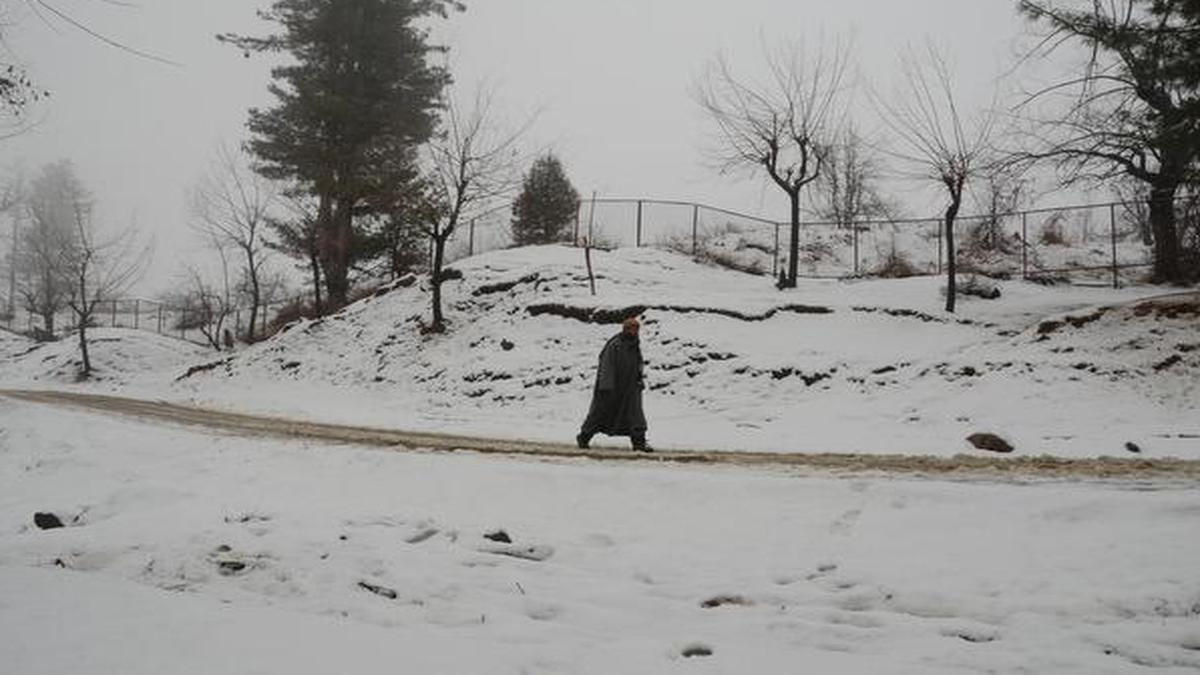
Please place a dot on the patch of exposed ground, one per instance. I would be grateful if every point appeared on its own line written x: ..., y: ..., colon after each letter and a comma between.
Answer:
x: 619, y: 314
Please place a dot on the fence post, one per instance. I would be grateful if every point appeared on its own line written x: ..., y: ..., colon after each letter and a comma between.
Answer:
x: 856, y: 266
x: 160, y: 319
x: 775, y: 266
x: 114, y: 313
x: 638, y: 240
x: 471, y: 239
x: 237, y: 322
x: 940, y: 235
x: 575, y: 236
x: 1112, y: 230
x: 591, y: 238
x: 1024, y: 246
x: 137, y: 314
x: 695, y: 228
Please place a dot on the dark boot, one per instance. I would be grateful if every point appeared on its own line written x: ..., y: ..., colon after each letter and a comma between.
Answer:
x: 639, y: 443
x: 582, y: 440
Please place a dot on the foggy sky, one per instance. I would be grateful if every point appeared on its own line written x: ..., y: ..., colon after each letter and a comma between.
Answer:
x: 608, y: 80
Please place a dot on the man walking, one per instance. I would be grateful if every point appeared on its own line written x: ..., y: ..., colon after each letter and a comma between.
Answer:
x: 616, y: 408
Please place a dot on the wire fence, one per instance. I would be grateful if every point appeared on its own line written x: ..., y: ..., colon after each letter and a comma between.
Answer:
x: 1089, y: 243
x: 192, y: 324
x: 1095, y: 243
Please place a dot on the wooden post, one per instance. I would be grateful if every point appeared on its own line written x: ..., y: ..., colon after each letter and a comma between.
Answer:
x: 1112, y: 229
x: 137, y: 310
x: 575, y: 235
x: 587, y: 256
x: 471, y: 239
x: 591, y: 221
x: 638, y: 241
x: 114, y: 313
x: 695, y: 228
x: 160, y: 318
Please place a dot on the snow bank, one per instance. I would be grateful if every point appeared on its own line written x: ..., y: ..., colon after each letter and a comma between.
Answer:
x: 870, y: 366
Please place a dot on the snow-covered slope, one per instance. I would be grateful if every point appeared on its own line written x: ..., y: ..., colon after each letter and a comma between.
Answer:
x: 120, y: 358
x: 871, y: 366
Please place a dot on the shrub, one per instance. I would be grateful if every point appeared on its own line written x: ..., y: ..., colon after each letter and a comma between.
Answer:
x: 896, y: 266
x: 1052, y: 233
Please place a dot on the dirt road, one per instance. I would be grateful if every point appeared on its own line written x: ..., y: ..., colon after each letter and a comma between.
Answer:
x: 965, y: 466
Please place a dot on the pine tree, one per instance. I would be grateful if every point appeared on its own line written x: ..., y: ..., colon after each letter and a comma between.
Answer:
x: 547, y: 205
x: 355, y: 99
x: 1135, y: 109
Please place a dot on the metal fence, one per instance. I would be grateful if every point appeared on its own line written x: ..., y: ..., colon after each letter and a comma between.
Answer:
x: 151, y: 316
x: 1095, y: 243
x: 1089, y: 243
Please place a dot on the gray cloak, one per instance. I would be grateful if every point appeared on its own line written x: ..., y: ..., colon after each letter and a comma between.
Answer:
x: 616, y: 408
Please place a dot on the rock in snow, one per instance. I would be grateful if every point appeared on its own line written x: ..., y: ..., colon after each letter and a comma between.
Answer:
x: 990, y: 442
x: 46, y: 521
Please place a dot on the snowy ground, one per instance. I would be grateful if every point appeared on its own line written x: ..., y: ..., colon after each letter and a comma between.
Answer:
x: 884, y: 370
x: 121, y: 359
x: 192, y: 553
x: 733, y: 363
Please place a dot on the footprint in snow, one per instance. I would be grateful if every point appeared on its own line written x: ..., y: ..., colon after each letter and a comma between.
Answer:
x: 845, y: 522
x: 534, y: 552
x: 974, y: 636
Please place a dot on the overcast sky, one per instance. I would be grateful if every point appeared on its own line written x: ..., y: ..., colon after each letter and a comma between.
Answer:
x: 608, y: 79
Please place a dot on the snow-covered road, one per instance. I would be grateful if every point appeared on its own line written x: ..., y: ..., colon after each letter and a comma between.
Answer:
x: 189, y: 552
x: 963, y: 466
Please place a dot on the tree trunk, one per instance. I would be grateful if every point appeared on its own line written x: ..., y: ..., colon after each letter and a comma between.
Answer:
x: 794, y: 246
x: 12, y: 266
x: 333, y: 242
x: 1166, y: 236
x: 439, y: 247
x: 255, y: 294
x: 83, y: 344
x: 315, y: 263
x: 951, y: 262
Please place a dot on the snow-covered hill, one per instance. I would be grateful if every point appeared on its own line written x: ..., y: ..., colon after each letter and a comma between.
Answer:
x: 869, y: 366
x: 121, y: 359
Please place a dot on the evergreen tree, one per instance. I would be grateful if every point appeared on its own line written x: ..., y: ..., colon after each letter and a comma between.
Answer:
x: 355, y: 99
x: 1134, y: 111
x: 547, y: 205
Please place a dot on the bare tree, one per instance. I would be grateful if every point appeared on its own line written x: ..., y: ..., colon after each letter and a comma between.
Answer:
x: 1001, y: 192
x: 100, y: 269
x: 782, y: 127
x: 472, y: 164
x: 55, y: 196
x: 847, y: 190
x: 1130, y: 109
x: 12, y: 196
x: 231, y: 209
x: 206, y: 304
x: 936, y: 141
